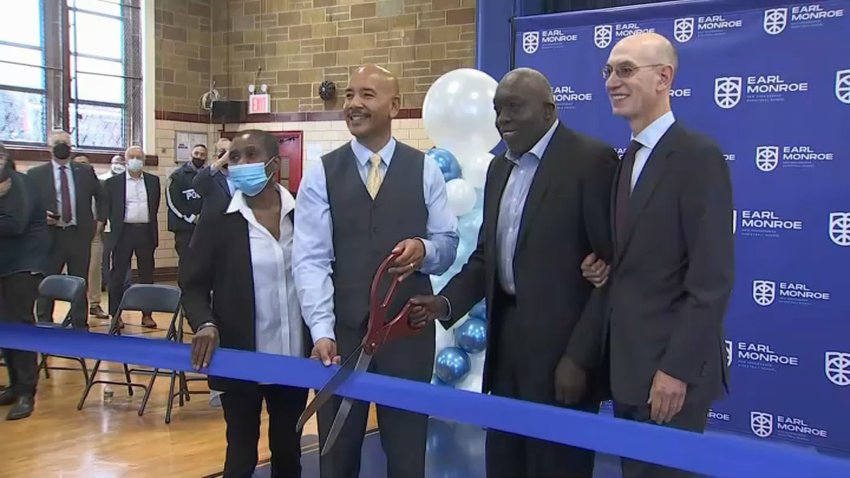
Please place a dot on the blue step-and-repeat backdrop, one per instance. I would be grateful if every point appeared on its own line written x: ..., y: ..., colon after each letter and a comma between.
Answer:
x: 770, y: 82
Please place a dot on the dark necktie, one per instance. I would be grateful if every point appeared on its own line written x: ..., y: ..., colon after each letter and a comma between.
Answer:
x: 624, y: 191
x: 66, y: 194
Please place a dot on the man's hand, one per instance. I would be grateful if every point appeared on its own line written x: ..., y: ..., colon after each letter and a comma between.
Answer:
x: 570, y: 382
x: 204, y: 344
x: 220, y: 162
x: 411, y: 254
x: 325, y: 350
x: 595, y: 270
x: 666, y: 397
x: 52, y: 218
x: 5, y: 186
x: 427, y: 308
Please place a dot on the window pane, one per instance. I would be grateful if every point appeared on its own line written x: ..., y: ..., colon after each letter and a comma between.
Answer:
x: 97, y: 35
x: 110, y: 7
x: 22, y: 23
x: 90, y: 65
x: 99, y: 126
x: 21, y: 116
x: 18, y: 75
x: 104, y: 89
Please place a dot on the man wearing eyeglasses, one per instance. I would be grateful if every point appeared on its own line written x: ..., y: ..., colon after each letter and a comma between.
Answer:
x: 673, y: 266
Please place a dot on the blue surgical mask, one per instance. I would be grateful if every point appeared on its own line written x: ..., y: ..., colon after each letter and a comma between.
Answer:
x: 135, y: 164
x: 249, y: 178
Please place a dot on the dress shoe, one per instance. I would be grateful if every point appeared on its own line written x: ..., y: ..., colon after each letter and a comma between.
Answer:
x: 22, y: 408
x: 148, y: 322
x: 97, y: 312
x: 7, y: 397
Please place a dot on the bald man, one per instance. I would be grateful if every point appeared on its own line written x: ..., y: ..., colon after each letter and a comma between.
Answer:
x: 68, y: 189
x: 372, y: 196
x: 133, y: 204
x: 673, y: 268
x: 545, y: 210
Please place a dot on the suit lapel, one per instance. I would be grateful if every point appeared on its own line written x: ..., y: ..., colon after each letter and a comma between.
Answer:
x: 78, y: 189
x: 558, y: 146
x: 50, y: 176
x: 122, y: 197
x: 149, y: 190
x: 651, y: 175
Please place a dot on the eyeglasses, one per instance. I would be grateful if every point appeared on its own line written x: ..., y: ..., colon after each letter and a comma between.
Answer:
x: 624, y: 70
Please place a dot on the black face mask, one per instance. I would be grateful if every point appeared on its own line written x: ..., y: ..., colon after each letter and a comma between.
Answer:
x: 61, y: 151
x: 199, y: 163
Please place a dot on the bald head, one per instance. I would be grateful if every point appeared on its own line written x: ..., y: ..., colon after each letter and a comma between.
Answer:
x: 525, y: 109
x: 372, y: 100
x: 651, y: 47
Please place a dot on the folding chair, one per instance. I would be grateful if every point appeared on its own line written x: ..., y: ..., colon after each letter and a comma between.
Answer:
x: 139, y: 297
x: 175, y: 332
x: 68, y: 289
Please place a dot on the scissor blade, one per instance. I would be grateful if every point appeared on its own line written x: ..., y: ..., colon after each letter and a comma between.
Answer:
x: 328, y: 390
x: 345, y: 407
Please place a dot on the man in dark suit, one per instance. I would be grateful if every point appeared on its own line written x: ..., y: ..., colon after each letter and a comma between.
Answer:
x: 23, y: 255
x: 368, y: 198
x: 211, y: 182
x: 132, y: 207
x: 545, y: 210
x: 673, y: 267
x: 67, y: 190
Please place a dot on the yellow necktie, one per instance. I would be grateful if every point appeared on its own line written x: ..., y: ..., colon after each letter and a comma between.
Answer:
x: 373, y: 181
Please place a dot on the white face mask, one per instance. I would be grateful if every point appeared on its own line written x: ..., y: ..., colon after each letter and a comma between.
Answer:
x: 118, y: 168
x: 135, y: 164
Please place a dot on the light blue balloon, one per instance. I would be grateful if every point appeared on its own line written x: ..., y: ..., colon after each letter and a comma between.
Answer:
x: 479, y: 311
x: 446, y: 161
x: 471, y: 336
x: 469, y: 225
x: 452, y: 365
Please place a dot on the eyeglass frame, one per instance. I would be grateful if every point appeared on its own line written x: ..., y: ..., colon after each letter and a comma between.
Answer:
x: 607, y: 70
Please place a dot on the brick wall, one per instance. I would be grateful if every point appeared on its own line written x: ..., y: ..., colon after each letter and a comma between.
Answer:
x: 299, y: 43
x: 182, y: 57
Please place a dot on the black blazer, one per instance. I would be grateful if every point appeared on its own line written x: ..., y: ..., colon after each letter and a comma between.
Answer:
x: 566, y: 216
x: 672, y: 277
x: 217, y: 280
x: 116, y: 204
x: 213, y: 189
x: 24, y: 242
x: 86, y: 187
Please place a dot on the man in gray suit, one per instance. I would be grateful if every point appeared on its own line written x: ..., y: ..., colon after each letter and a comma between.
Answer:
x: 67, y: 190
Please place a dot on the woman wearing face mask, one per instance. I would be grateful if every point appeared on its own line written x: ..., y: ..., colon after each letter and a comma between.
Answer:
x: 242, y: 255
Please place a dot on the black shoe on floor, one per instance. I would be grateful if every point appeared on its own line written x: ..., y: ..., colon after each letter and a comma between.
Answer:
x: 22, y: 408
x: 7, y: 397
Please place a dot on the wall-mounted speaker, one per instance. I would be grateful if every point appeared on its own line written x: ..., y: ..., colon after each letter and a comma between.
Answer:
x: 228, y: 111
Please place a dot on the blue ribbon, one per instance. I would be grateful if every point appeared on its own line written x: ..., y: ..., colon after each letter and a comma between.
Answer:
x: 711, y: 454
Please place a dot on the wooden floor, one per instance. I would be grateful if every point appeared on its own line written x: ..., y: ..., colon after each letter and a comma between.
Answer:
x: 109, y: 439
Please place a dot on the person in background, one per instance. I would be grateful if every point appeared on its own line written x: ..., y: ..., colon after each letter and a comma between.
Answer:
x: 117, y: 166
x: 184, y: 203
x: 212, y: 182
x: 240, y: 294
x: 673, y: 267
x: 67, y: 191
x: 23, y: 256
x: 132, y: 207
x: 94, y: 278
x: 369, y: 198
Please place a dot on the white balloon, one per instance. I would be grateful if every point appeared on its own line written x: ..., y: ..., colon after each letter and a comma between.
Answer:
x: 474, y: 169
x: 461, y: 196
x: 458, y: 112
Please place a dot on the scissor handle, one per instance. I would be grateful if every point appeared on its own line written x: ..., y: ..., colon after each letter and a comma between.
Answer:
x: 379, y: 330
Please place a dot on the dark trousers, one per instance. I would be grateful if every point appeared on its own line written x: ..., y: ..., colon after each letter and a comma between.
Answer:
x: 106, y: 261
x: 514, y: 456
x: 181, y: 242
x: 17, y: 297
x: 133, y: 239
x: 403, y: 434
x: 242, y: 409
x: 68, y: 247
x: 692, y: 417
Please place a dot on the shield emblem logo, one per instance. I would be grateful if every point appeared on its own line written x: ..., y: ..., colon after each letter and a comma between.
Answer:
x: 764, y: 291
x: 767, y: 157
x: 602, y: 35
x: 775, y: 20
x: 837, y: 368
x: 530, y: 42
x: 727, y: 91
x: 761, y: 424
x: 683, y: 29
x: 842, y: 86
x: 839, y: 228
x: 728, y: 353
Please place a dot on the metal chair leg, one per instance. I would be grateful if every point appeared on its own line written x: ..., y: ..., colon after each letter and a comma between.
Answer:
x: 89, y: 384
x: 127, y: 376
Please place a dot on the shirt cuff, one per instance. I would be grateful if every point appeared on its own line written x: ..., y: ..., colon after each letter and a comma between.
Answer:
x: 430, y: 259
x: 449, y: 314
x: 322, y: 330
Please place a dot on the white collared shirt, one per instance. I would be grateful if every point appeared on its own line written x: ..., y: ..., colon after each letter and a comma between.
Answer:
x: 649, y: 137
x: 57, y: 181
x: 277, y: 315
x: 136, y: 200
